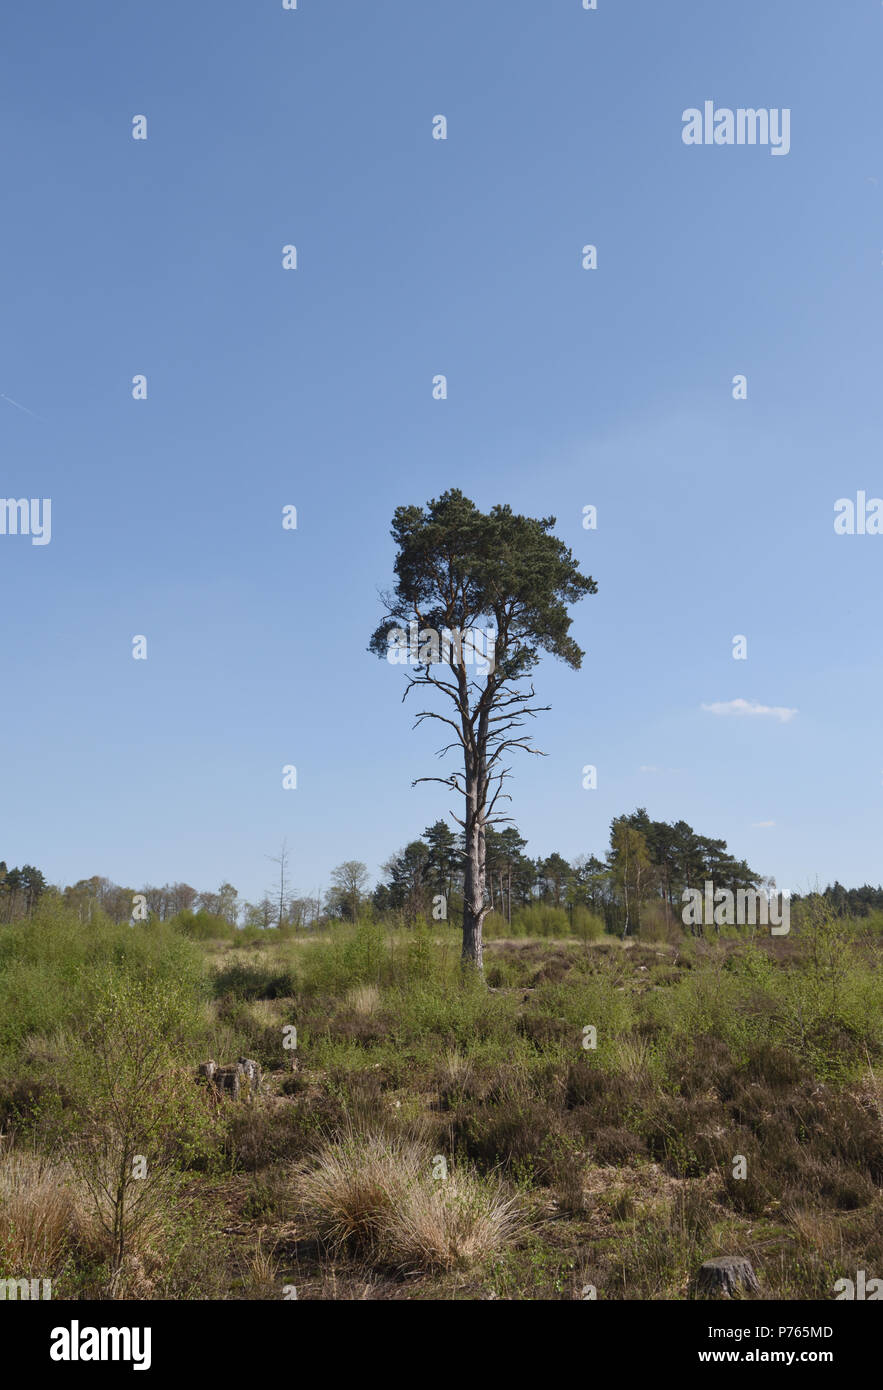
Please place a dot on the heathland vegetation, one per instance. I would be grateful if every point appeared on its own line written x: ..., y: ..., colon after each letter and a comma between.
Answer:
x: 575, y: 1119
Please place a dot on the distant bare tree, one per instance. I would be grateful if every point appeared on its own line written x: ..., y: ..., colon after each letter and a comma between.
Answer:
x: 282, y: 860
x: 182, y: 898
x: 301, y: 911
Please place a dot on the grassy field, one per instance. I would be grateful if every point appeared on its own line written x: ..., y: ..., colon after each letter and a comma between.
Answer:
x: 573, y: 1123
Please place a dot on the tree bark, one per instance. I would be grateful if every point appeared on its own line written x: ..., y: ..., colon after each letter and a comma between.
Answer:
x: 474, y: 909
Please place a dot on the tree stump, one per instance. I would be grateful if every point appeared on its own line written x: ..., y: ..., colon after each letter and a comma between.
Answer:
x: 725, y: 1276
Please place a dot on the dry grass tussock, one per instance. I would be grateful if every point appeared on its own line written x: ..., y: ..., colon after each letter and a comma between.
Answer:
x: 40, y: 1213
x: 364, y: 1000
x: 375, y: 1195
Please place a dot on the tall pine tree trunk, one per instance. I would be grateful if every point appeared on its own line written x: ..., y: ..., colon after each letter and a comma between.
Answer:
x: 474, y: 877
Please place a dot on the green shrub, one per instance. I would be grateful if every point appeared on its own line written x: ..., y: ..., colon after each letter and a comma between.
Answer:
x: 202, y: 926
x: 244, y: 980
x: 49, y: 965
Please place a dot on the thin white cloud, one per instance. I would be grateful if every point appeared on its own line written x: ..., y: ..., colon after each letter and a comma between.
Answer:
x: 780, y: 712
x: 4, y: 397
x: 762, y: 824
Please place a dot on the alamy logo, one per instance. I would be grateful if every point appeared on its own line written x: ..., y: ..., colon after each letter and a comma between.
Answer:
x: 863, y: 517
x: 27, y: 1289
x: 863, y: 1289
x: 77, y: 1343
x: 424, y: 646
x: 720, y: 907
x: 21, y: 517
x: 744, y: 126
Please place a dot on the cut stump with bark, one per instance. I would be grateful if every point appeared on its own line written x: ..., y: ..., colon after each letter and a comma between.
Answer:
x: 725, y: 1277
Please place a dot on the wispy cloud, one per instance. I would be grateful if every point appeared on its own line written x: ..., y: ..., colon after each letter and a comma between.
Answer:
x: 10, y: 401
x: 762, y: 824
x: 780, y: 712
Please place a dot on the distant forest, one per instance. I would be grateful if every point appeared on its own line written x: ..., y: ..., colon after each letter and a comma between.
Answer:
x: 641, y: 877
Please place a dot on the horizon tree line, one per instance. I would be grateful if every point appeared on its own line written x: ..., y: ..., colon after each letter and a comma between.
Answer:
x: 645, y: 868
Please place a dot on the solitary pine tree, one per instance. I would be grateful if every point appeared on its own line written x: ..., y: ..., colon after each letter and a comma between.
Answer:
x: 457, y: 568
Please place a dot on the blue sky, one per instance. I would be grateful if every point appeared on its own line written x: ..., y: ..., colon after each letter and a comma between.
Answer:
x: 312, y: 387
